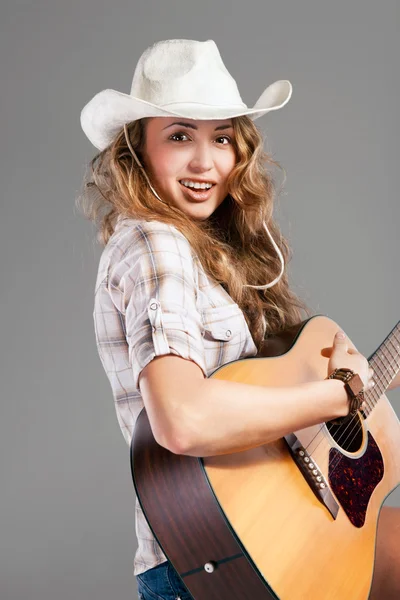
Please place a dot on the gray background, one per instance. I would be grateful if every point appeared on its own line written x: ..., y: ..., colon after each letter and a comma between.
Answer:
x: 67, y: 518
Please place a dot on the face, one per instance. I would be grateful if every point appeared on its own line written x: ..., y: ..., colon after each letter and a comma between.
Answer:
x: 181, y: 151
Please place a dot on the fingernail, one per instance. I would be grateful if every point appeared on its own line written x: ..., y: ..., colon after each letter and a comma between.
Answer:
x: 341, y: 335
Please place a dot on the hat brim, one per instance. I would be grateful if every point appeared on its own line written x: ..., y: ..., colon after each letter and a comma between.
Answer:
x: 106, y: 113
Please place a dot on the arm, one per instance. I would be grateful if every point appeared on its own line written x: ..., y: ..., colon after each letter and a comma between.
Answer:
x: 195, y: 416
x: 154, y: 284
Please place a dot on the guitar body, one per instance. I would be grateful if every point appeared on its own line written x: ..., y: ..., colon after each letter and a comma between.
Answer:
x: 294, y: 519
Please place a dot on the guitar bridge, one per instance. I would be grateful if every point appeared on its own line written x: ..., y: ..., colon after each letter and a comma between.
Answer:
x: 312, y: 474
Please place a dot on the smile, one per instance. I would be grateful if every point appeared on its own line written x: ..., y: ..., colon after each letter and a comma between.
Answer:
x: 196, y: 184
x: 197, y: 194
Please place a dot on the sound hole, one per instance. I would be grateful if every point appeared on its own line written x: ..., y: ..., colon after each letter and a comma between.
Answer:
x: 349, y: 434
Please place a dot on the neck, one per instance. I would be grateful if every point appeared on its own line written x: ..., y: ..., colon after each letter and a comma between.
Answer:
x: 385, y: 362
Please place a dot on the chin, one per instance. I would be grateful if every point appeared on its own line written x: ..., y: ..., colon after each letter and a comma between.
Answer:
x: 200, y: 212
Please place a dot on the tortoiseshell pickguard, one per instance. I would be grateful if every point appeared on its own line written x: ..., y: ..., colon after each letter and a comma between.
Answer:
x: 354, y: 479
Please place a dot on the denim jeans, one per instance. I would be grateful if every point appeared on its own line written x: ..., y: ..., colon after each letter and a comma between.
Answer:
x: 161, y: 583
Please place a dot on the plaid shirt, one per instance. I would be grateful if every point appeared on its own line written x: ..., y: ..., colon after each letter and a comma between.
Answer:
x: 152, y: 297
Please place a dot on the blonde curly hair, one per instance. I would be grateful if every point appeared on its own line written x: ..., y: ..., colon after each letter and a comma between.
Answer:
x: 231, y: 244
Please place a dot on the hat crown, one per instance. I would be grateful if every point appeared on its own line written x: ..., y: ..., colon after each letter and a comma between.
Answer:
x: 172, y: 72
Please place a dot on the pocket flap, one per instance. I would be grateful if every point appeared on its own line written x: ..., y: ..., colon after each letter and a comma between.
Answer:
x: 222, y: 322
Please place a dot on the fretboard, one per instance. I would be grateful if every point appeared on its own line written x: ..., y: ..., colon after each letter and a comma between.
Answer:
x: 385, y: 362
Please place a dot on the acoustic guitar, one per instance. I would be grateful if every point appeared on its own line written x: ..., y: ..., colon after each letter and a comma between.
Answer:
x: 295, y: 519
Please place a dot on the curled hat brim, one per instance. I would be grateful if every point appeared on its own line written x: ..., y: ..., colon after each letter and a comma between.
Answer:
x: 107, y: 112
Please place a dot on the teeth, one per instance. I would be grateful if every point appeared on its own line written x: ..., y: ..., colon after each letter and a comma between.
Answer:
x: 196, y: 185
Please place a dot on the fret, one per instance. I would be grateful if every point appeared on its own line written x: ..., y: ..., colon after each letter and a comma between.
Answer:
x: 378, y: 390
x: 394, y: 353
x: 385, y: 362
x: 395, y: 337
x: 378, y: 382
x: 381, y: 366
x: 369, y: 399
x: 389, y: 363
x: 391, y: 353
x: 397, y: 345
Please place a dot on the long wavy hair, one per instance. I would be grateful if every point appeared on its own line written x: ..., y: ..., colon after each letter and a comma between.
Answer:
x: 232, y: 244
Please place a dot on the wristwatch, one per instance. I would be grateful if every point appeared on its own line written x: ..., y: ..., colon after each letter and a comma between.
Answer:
x: 354, y: 387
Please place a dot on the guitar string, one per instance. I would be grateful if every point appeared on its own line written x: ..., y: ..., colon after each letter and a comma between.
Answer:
x: 353, y: 422
x: 368, y: 395
x: 340, y: 438
x: 355, y: 427
x: 308, y: 447
x: 322, y: 438
x: 336, y: 463
x: 355, y: 419
x: 369, y: 405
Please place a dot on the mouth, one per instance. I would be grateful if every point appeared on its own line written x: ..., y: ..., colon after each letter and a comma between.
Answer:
x: 198, y: 195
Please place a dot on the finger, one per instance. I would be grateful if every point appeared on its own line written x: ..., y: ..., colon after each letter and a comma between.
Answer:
x: 370, y: 384
x: 340, y: 341
x: 371, y: 376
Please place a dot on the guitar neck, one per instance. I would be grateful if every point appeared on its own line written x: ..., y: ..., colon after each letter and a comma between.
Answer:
x: 385, y: 362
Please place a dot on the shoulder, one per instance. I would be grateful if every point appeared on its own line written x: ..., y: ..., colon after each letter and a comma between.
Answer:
x: 139, y: 246
x: 135, y: 237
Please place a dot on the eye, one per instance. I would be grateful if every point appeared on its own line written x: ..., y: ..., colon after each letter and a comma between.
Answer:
x: 177, y: 134
x: 224, y: 137
x: 180, y: 134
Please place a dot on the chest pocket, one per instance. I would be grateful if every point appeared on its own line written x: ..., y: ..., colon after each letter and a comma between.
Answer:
x: 225, y: 334
x: 223, y: 322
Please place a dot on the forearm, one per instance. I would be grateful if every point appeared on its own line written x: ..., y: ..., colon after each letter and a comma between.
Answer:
x: 224, y: 417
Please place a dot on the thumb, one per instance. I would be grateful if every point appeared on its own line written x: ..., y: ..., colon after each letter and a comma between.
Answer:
x: 340, y: 341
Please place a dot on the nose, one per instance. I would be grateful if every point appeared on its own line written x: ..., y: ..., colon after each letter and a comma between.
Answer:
x: 202, y: 159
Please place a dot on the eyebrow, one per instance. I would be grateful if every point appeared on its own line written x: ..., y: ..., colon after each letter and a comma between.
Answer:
x: 191, y: 126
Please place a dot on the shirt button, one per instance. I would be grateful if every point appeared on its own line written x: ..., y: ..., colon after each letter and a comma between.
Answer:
x: 228, y: 333
x: 153, y: 306
x: 154, y: 329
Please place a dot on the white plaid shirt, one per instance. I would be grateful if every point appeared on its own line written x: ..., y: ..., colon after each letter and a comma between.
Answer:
x: 152, y: 297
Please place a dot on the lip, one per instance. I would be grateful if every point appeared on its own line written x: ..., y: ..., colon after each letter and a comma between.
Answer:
x: 197, y: 195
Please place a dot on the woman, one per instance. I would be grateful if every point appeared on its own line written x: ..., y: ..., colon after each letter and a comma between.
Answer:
x: 192, y: 276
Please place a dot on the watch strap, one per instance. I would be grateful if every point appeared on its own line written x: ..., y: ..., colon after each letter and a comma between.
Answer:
x: 354, y: 387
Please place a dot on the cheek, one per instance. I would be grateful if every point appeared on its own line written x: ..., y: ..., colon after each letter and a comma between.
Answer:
x: 229, y: 158
x: 228, y: 164
x: 165, y: 165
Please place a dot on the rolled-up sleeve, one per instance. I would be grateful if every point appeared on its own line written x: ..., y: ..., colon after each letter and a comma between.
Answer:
x: 156, y: 280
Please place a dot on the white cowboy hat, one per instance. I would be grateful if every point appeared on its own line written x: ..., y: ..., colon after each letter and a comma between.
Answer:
x: 176, y: 78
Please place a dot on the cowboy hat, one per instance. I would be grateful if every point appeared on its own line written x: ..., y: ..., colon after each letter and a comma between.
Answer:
x: 176, y: 78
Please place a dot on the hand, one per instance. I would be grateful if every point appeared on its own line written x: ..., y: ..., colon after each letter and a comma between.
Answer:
x: 343, y: 356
